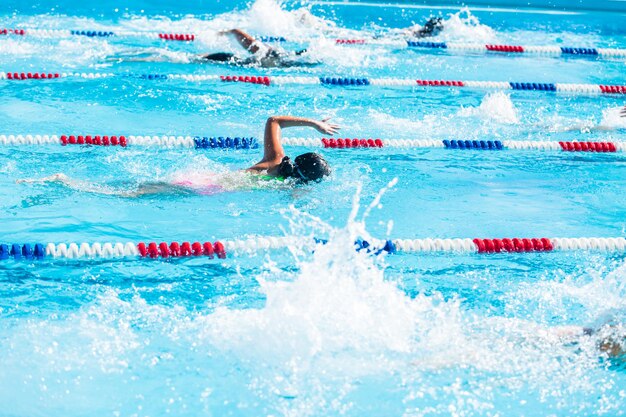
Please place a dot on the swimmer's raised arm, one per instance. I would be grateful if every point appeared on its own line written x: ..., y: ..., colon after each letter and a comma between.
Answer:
x: 245, y: 40
x: 273, y: 151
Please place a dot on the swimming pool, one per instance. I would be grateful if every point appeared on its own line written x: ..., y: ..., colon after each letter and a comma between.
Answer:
x: 295, y: 332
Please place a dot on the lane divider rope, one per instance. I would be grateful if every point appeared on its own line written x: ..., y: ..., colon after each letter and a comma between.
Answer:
x: 66, y: 33
x: 251, y: 246
x: 199, y: 142
x: 548, y: 50
x: 587, y: 89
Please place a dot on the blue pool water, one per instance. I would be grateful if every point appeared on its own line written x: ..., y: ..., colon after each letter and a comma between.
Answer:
x: 294, y: 333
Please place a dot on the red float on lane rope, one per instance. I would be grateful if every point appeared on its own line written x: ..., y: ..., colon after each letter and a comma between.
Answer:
x: 177, y: 36
x: 153, y: 251
x: 175, y: 249
x: 505, y: 48
x: 513, y: 245
x: 245, y: 79
x: 613, y: 89
x: 208, y: 249
x: 352, y: 143
x: 184, y: 250
x: 94, y: 140
x: 588, y: 146
x: 350, y: 41
x: 143, y: 251
x: 164, y: 250
x: 220, y: 251
x: 21, y: 32
x: 30, y: 76
x: 440, y: 83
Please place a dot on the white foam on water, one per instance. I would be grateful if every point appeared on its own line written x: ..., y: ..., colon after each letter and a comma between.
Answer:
x: 591, y: 295
x: 464, y: 26
x: 556, y: 123
x: 214, y: 102
x: 264, y: 17
x: 315, y: 310
x: 495, y: 107
x: 612, y: 119
x: 268, y: 16
x: 67, y: 52
x: 17, y: 47
x: 413, y: 127
x: 75, y: 52
x: 339, y: 312
x: 330, y: 53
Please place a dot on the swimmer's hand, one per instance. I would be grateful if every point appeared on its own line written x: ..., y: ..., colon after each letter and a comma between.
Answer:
x: 323, y: 126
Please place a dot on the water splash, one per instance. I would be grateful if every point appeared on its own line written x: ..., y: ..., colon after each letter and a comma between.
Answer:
x: 68, y: 52
x: 326, y: 50
x: 431, y: 123
x: 464, y: 26
x: 266, y: 17
x: 332, y: 332
x: 269, y: 17
x: 591, y: 295
x: 612, y: 119
x: 496, y: 107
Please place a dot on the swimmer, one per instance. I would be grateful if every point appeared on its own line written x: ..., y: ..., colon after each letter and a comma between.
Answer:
x: 606, y: 334
x: 275, y: 167
x: 623, y: 112
x: 606, y: 337
x: 304, y: 168
x: 262, y: 54
x: 432, y: 27
x: 610, y: 340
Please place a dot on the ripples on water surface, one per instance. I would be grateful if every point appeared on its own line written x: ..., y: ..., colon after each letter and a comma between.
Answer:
x: 296, y: 333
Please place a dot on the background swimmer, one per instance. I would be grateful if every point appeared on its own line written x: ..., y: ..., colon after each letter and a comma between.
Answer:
x: 610, y: 339
x: 274, y: 166
x: 261, y: 54
x: 432, y: 27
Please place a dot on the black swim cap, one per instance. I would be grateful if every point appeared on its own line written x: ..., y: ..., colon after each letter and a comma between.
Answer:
x: 311, y: 167
x: 433, y: 26
x: 306, y: 167
x: 219, y: 57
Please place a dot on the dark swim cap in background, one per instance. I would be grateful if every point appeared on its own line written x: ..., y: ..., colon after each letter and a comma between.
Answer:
x: 311, y: 167
x: 433, y: 26
x: 219, y: 57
